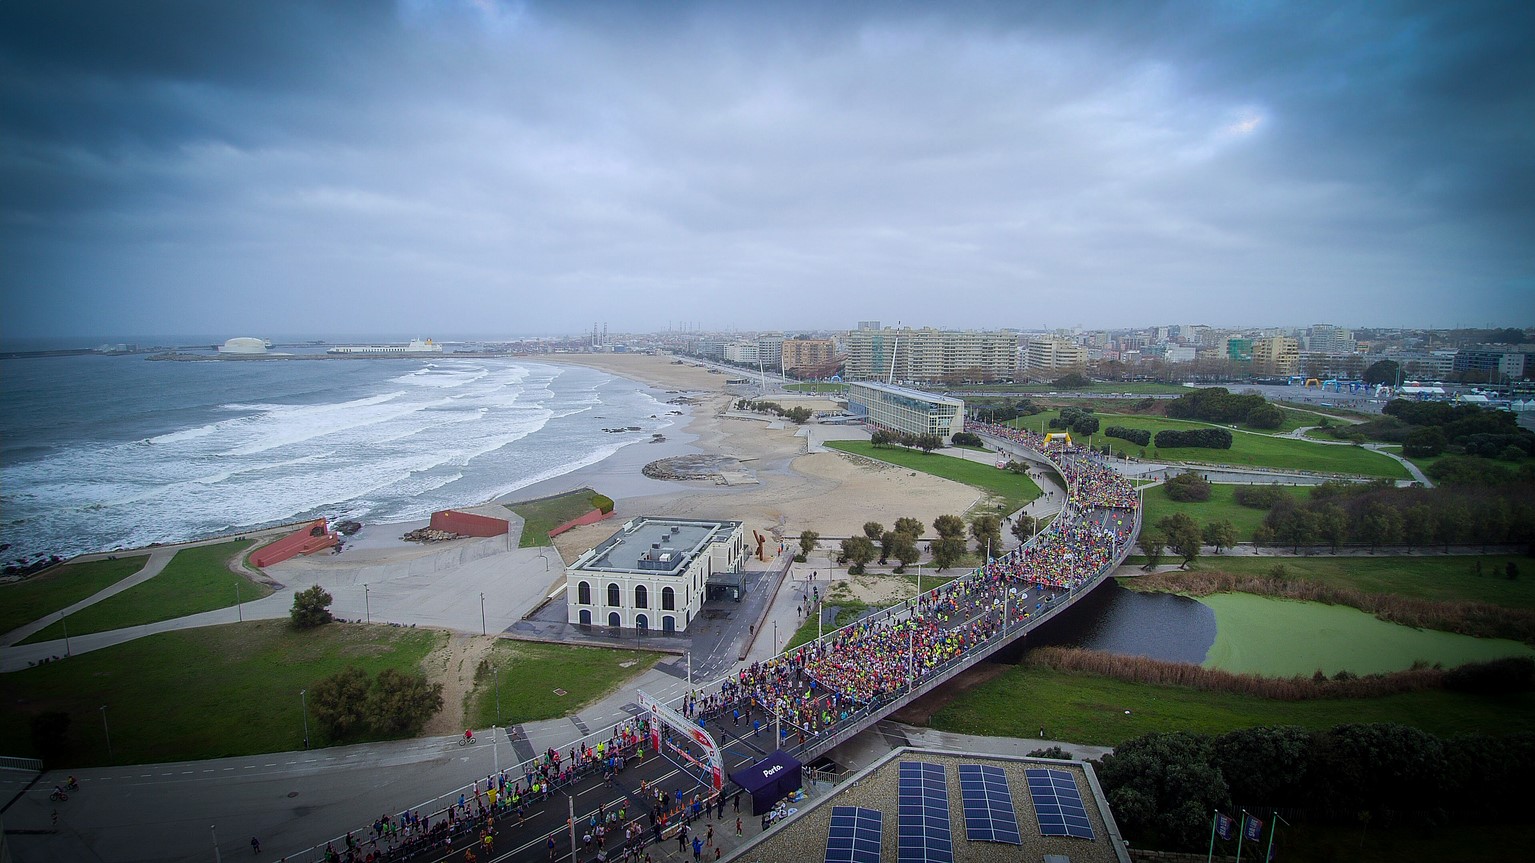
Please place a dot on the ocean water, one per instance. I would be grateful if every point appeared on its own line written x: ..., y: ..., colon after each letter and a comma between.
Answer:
x: 102, y: 452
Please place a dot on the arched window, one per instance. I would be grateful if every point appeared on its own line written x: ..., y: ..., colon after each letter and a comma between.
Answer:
x: 583, y: 594
x: 614, y: 619
x: 668, y: 600
x: 641, y: 622
x: 641, y: 596
x: 668, y: 623
x: 615, y: 598
x: 586, y: 617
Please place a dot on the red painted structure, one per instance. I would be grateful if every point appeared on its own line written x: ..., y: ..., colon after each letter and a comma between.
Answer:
x: 592, y: 517
x: 469, y: 524
x: 308, y: 539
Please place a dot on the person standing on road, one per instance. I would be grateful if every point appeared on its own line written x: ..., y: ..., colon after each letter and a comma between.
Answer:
x: 255, y: 845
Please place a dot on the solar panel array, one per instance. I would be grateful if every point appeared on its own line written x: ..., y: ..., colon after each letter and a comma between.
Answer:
x: 1058, y: 804
x: 924, y: 835
x: 989, y: 815
x: 855, y: 835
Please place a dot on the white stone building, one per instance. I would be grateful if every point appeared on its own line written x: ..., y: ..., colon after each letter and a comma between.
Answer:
x: 652, y: 573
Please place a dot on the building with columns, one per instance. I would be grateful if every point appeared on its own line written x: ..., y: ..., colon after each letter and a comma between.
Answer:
x: 652, y: 574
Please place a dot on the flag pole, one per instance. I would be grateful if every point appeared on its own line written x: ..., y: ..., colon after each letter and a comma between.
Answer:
x: 1269, y: 854
x: 1241, y: 834
x: 1213, y: 818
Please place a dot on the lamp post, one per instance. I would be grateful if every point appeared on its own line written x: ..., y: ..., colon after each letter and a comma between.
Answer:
x: 546, y: 560
x: 214, y: 829
x: 304, y: 700
x: 775, y: 638
x: 367, y: 608
x: 239, y: 612
x: 495, y: 746
x: 65, y: 624
x: 482, y: 614
x: 107, y: 730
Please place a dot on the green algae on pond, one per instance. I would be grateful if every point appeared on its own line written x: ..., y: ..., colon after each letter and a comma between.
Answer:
x: 1283, y: 638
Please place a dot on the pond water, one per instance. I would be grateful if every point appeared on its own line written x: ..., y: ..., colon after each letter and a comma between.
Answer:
x: 1256, y: 634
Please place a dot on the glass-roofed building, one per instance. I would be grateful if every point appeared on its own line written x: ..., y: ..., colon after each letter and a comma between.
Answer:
x: 901, y: 409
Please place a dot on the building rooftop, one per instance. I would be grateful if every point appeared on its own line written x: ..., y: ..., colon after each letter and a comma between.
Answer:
x: 804, y: 836
x: 908, y: 392
x: 654, y: 545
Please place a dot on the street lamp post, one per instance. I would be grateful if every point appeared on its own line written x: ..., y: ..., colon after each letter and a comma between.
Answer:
x: 239, y: 612
x: 546, y: 560
x: 483, y: 631
x: 304, y: 700
x: 367, y: 607
x: 496, y: 673
x: 107, y: 730
x: 214, y: 829
x: 65, y: 624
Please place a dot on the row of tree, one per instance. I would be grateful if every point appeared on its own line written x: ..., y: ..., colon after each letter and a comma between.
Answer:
x: 1139, y: 437
x: 1079, y: 420
x: 926, y: 442
x: 949, y: 549
x: 1219, y: 405
x: 798, y: 414
x: 1163, y: 787
x: 1377, y: 515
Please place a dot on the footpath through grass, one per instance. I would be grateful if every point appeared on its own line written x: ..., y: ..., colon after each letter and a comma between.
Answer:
x: 1091, y: 709
x: 1434, y: 577
x: 1222, y: 506
x: 1007, y: 489
x: 544, y: 681
x: 545, y: 514
x: 26, y: 601
x: 198, y: 693
x: 197, y: 579
x: 1247, y: 449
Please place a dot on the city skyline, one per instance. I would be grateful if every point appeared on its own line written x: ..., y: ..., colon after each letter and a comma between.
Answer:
x: 502, y: 168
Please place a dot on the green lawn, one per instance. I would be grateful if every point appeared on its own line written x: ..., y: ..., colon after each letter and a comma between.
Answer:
x: 198, y: 693
x: 1108, y: 387
x: 847, y: 611
x: 1091, y: 709
x: 529, y: 675
x: 1247, y: 449
x: 26, y: 601
x: 1221, y: 505
x: 1433, y: 577
x: 545, y: 514
x: 816, y: 388
x: 1008, y: 489
x: 197, y: 579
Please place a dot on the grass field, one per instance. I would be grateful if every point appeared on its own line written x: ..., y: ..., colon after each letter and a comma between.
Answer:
x: 529, y: 675
x: 197, y: 579
x: 809, y: 387
x: 1434, y: 577
x: 1104, y: 388
x: 26, y: 601
x: 1091, y: 709
x: 198, y: 693
x: 541, y: 516
x: 1007, y: 489
x: 847, y: 611
x: 1253, y: 450
x: 1221, y: 505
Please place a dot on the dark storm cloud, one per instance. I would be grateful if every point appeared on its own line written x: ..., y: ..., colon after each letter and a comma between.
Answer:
x: 321, y: 166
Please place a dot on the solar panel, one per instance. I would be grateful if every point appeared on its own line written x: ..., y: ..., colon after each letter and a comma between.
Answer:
x: 855, y: 835
x: 924, y: 835
x: 989, y: 815
x: 1058, y: 804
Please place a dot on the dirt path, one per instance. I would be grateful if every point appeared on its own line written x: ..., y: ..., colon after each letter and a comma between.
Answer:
x: 453, y: 666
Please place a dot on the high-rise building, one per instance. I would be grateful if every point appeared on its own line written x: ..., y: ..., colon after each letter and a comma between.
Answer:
x: 928, y: 355
x: 742, y: 352
x: 1329, y: 338
x: 1278, y: 355
x: 803, y: 354
x: 1051, y: 353
x: 770, y: 349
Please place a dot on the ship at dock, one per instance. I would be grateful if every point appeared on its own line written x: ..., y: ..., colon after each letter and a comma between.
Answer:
x: 416, y: 346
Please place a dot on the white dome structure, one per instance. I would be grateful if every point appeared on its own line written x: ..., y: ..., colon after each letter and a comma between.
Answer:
x: 243, y: 345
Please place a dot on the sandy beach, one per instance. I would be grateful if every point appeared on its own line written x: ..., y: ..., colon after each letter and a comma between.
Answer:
x: 828, y: 492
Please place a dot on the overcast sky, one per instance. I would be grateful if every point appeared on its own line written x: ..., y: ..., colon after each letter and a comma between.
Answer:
x: 451, y: 168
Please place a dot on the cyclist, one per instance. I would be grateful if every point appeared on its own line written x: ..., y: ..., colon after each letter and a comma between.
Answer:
x: 468, y: 735
x: 71, y: 784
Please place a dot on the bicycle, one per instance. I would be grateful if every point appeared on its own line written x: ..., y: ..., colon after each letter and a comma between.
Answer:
x: 58, y: 794
x: 466, y: 740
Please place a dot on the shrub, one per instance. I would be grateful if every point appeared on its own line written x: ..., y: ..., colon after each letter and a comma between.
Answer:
x: 1507, y: 676
x: 1187, y: 487
x: 1258, y: 496
x: 966, y: 439
x: 401, y: 702
x: 1139, y: 437
x: 1265, y: 417
x: 311, y: 608
x: 602, y: 503
x: 1207, y: 438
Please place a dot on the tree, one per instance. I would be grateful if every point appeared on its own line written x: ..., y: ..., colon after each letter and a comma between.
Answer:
x: 1163, y: 787
x: 947, y: 551
x: 311, y: 608
x: 798, y: 415
x: 1424, y: 442
x: 1183, y: 536
x: 1072, y: 381
x: 1265, y: 417
x: 1085, y: 425
x: 911, y: 527
x: 1381, y: 525
x: 987, y: 531
x: 857, y: 551
x: 949, y: 526
x: 1265, y: 763
x: 1023, y: 527
x: 807, y: 541
x: 340, y: 702
x: 400, y: 702
x: 1419, y: 525
x: 1188, y: 486
x: 881, y: 438
x: 928, y: 442
x: 905, y: 551
x: 1220, y: 534
x: 1383, y: 372
x: 886, y: 546
x: 1332, y: 524
x: 873, y: 530
x: 1152, y: 545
